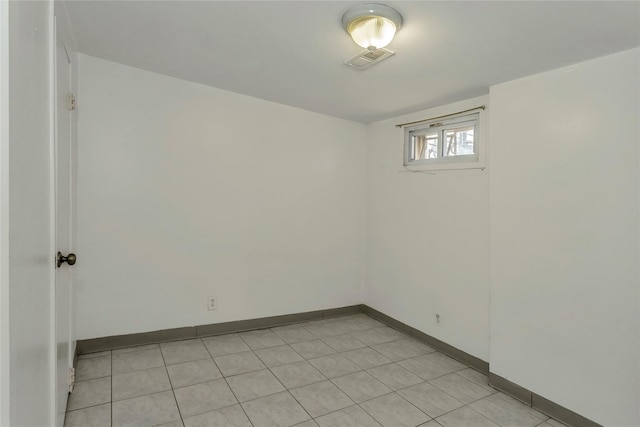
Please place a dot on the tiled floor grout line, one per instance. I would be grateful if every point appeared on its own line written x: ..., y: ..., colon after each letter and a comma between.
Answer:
x: 307, y: 360
x: 111, y: 395
x: 341, y: 409
x: 464, y: 406
x: 423, y: 380
x: 87, y: 407
x: 393, y: 392
x: 290, y: 394
x: 253, y: 351
x: 227, y: 382
x: 94, y: 378
x: 434, y: 385
x: 175, y: 399
x: 326, y: 378
x: 331, y: 380
x: 400, y: 396
x: 470, y: 403
x: 323, y: 322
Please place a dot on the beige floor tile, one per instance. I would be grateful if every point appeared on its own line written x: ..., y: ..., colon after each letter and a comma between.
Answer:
x: 225, y: 344
x: 334, y: 365
x: 465, y: 417
x: 93, y: 367
x: 366, y: 358
x: 184, y: 351
x: 276, y: 356
x: 146, y: 411
x: 139, y: 383
x: 130, y: 361
x: 321, y: 398
x: 277, y: 410
x: 90, y: 393
x: 312, y: 349
x: 395, y: 376
x: 391, y: 410
x: 361, y: 386
x: 94, y: 416
x: 232, y: 416
x: 297, y: 374
x: 253, y: 385
x: 238, y: 363
x: 206, y: 397
x: 429, y: 399
x: 352, y: 416
x: 190, y: 373
x: 508, y: 412
x: 461, y: 388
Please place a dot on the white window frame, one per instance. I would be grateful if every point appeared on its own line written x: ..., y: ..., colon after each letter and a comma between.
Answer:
x: 468, y: 161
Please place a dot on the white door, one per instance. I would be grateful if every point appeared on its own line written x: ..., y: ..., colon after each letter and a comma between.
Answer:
x: 64, y: 226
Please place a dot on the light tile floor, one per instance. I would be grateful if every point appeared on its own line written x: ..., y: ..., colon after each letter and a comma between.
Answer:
x: 349, y: 371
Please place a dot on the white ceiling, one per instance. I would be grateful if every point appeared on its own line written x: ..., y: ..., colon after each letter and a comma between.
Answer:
x: 292, y: 52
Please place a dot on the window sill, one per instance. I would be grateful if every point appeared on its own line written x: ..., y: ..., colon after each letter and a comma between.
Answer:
x: 444, y: 166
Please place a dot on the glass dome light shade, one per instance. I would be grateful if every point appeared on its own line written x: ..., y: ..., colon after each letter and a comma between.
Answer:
x: 373, y: 31
x: 372, y: 24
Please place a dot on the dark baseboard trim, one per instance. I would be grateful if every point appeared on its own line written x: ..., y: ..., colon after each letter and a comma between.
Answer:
x: 529, y: 398
x: 464, y: 357
x: 131, y: 340
x: 512, y: 389
x: 539, y: 403
x: 526, y: 396
x: 95, y: 345
x: 560, y: 413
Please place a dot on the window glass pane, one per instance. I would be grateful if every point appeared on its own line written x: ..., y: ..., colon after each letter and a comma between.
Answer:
x: 445, y: 143
x: 458, y: 141
x: 424, y: 146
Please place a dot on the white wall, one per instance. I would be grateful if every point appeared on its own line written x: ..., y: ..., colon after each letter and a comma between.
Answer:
x: 173, y: 208
x: 26, y: 192
x: 564, y: 236
x: 186, y: 191
x: 4, y: 215
x: 427, y: 249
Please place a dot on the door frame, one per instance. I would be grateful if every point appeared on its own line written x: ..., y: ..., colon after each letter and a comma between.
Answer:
x: 52, y: 216
x: 45, y: 10
x: 61, y: 31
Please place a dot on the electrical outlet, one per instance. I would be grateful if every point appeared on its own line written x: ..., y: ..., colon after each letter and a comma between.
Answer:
x: 212, y: 303
x: 438, y: 320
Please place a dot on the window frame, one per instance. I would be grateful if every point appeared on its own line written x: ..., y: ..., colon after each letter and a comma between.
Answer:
x: 440, y: 126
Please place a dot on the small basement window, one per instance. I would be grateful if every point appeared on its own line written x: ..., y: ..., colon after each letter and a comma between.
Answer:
x: 453, y: 143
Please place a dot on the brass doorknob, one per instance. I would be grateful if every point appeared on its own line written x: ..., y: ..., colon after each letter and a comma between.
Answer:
x: 69, y: 259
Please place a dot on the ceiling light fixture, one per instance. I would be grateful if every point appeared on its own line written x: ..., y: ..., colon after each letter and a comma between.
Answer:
x: 372, y: 25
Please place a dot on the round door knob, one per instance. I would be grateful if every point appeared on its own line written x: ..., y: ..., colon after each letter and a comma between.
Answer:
x: 69, y: 259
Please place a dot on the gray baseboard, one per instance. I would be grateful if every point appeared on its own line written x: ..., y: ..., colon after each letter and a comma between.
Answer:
x: 464, y: 357
x: 512, y: 389
x: 529, y: 398
x: 539, y: 403
x: 131, y: 340
x: 534, y: 400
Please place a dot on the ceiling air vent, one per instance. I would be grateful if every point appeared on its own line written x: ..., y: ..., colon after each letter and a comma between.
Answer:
x: 368, y: 57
